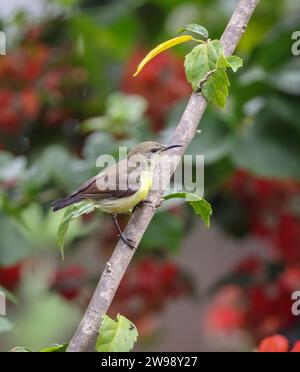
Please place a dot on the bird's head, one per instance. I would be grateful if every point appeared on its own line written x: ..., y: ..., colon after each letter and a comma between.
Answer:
x: 145, y: 155
x: 150, y: 148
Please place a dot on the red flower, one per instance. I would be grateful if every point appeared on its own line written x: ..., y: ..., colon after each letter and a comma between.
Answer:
x: 269, y: 309
x: 169, y: 272
x: 69, y: 280
x: 276, y: 343
x: 228, y: 310
x: 251, y: 265
x: 289, y: 237
x: 30, y: 103
x: 226, y: 318
x: 290, y: 279
x: 296, y: 347
x: 261, y: 308
x: 9, y: 119
x: 35, y: 78
x: 270, y: 212
x: 10, y: 276
x: 148, y: 285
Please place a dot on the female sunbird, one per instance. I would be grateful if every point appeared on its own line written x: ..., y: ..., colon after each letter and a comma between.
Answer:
x: 120, y: 187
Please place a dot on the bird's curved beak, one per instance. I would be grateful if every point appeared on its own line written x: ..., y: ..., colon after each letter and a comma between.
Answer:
x: 171, y: 147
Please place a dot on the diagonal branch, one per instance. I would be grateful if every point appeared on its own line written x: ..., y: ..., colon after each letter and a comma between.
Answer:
x: 87, y: 330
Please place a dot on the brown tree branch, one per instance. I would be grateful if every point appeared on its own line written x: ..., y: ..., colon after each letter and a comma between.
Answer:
x: 87, y: 330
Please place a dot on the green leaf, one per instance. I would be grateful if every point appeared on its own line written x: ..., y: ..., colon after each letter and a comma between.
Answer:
x: 197, y: 29
x: 97, y: 123
x: 216, y: 88
x: 9, y: 208
x: 269, y: 147
x: 235, y: 62
x: 96, y: 141
x: 60, y: 315
x: 124, y: 113
x: 201, y: 206
x: 42, y: 226
x: 56, y: 164
x: 72, y: 212
x: 205, y: 68
x: 13, y: 244
x: 116, y: 335
x: 126, y: 107
x: 202, y: 60
x: 223, y: 62
x: 203, y: 209
x: 5, y: 325
x: 55, y: 349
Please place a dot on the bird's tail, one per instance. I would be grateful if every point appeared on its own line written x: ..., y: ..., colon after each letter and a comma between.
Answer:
x: 62, y: 203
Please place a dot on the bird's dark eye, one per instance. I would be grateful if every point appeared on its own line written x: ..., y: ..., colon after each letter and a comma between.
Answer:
x: 154, y: 149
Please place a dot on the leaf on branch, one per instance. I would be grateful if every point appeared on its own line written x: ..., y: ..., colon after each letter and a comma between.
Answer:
x: 197, y: 29
x: 235, y: 62
x: 55, y: 349
x: 201, y: 60
x: 51, y: 349
x: 201, y: 207
x: 216, y: 88
x: 72, y: 212
x: 161, y: 48
x: 116, y: 335
x: 205, y: 68
x: 222, y: 62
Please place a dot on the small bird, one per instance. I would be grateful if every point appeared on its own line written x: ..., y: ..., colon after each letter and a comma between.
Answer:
x: 122, y: 186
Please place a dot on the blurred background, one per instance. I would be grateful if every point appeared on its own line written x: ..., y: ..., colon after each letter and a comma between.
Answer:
x: 67, y: 96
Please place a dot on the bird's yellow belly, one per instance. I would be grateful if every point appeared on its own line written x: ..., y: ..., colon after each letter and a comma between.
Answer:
x: 127, y: 203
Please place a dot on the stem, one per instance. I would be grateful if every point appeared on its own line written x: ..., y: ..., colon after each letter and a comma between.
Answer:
x: 87, y: 331
x: 200, y: 41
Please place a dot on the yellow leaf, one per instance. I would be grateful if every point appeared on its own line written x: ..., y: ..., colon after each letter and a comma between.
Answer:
x: 160, y: 48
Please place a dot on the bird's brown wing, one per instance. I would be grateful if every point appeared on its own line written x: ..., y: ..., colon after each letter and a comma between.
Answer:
x: 98, y: 187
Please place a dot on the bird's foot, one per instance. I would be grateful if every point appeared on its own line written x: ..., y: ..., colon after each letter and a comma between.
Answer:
x: 160, y: 203
x: 148, y: 202
x: 127, y: 241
